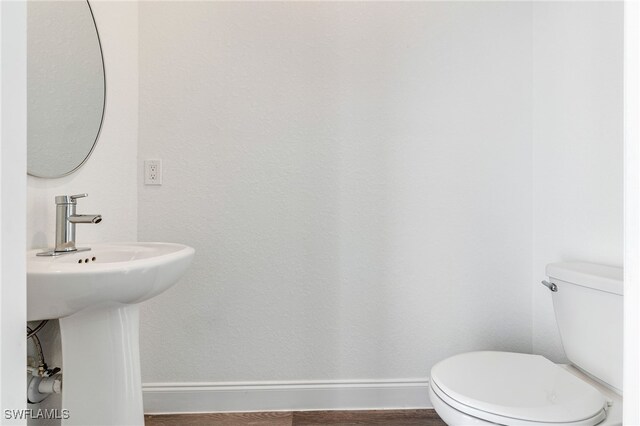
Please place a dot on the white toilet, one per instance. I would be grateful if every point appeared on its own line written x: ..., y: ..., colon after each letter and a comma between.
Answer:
x: 481, y: 388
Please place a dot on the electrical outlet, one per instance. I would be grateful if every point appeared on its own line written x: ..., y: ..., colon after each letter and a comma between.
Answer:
x: 153, y: 172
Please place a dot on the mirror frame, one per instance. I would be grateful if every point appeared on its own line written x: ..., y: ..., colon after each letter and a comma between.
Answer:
x: 104, y: 107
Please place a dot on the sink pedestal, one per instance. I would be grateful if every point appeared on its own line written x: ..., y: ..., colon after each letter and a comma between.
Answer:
x: 101, y: 366
x: 96, y: 296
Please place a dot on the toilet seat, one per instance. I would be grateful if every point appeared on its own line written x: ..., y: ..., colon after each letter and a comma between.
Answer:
x: 512, y: 388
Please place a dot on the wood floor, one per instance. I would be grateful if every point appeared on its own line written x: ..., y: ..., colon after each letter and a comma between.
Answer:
x: 300, y: 418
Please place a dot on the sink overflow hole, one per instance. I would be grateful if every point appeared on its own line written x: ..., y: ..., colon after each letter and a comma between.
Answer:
x: 93, y: 259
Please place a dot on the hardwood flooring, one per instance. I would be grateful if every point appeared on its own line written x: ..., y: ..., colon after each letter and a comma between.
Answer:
x: 221, y: 419
x: 301, y: 418
x: 377, y: 417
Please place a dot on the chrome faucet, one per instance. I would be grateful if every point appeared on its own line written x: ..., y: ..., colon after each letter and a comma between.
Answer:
x: 66, y: 219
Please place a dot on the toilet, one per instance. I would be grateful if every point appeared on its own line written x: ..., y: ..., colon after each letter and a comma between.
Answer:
x: 506, y: 388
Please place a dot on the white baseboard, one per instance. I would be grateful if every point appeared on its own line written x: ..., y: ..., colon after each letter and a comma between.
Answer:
x: 285, y: 396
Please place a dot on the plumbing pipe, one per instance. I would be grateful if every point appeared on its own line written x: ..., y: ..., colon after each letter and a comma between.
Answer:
x: 50, y: 385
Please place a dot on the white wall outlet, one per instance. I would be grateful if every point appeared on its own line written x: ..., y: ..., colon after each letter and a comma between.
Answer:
x: 153, y: 172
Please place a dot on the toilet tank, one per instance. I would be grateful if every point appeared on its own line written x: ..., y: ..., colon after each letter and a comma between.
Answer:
x: 588, y: 306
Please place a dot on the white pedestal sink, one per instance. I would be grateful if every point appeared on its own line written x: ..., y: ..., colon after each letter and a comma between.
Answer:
x: 96, y: 294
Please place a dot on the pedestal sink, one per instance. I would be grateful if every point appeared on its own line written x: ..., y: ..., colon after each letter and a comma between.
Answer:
x: 96, y: 295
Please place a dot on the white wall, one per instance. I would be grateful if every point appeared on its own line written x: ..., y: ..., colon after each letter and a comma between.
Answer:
x: 361, y: 192
x: 109, y: 176
x: 577, y: 145
x: 356, y: 180
x: 631, y: 212
x: 13, y: 149
x: 370, y: 187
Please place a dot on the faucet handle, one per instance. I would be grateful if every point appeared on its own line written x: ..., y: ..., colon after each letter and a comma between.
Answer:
x: 69, y: 199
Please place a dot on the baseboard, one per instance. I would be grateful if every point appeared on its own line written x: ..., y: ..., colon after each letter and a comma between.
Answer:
x: 162, y: 398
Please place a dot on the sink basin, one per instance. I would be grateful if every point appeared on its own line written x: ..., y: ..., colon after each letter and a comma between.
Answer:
x: 95, y: 294
x: 59, y: 286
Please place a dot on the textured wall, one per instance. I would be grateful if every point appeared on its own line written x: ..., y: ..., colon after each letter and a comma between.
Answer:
x: 355, y: 178
x: 109, y: 176
x: 577, y: 145
x: 359, y: 180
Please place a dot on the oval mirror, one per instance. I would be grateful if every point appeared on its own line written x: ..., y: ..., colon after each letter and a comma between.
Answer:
x: 65, y: 86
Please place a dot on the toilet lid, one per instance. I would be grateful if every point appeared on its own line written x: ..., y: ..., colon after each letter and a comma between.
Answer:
x: 518, y: 386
